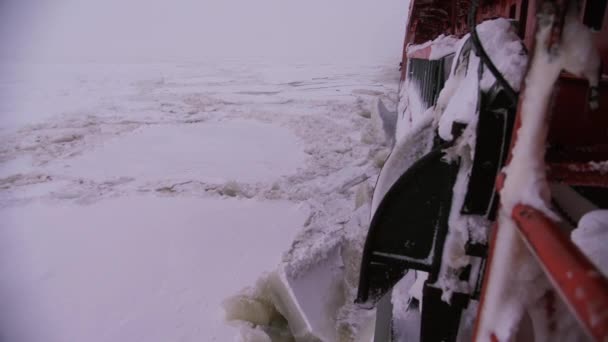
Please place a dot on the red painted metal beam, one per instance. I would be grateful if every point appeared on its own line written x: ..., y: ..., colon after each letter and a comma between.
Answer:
x: 579, y: 174
x: 576, y: 279
x: 580, y: 153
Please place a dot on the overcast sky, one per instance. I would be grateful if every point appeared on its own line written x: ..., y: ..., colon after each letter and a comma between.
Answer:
x: 156, y: 30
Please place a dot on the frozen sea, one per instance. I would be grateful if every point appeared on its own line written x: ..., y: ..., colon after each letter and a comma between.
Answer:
x: 135, y: 198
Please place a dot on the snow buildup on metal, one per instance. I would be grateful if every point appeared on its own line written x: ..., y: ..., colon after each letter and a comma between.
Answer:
x: 406, y: 152
x: 440, y: 47
x: 599, y: 166
x: 428, y: 67
x: 504, y: 300
x: 459, y: 104
x: 591, y: 236
x: 428, y: 75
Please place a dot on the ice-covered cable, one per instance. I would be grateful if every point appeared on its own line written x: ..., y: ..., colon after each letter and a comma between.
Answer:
x: 481, y: 52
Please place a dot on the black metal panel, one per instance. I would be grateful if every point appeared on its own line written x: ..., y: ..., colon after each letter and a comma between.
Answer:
x: 441, y: 320
x: 494, y: 129
x: 409, y: 227
x: 594, y: 14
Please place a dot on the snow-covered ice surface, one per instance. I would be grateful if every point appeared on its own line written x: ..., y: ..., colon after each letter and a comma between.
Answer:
x: 133, y: 268
x: 135, y: 198
x: 151, y: 152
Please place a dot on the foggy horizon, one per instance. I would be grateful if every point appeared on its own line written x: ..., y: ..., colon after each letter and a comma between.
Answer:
x: 139, y: 31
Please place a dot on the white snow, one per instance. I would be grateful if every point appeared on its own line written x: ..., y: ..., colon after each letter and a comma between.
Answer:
x: 458, y: 102
x: 198, y: 151
x: 134, y: 268
x: 590, y: 237
x: 599, y: 166
x: 440, y: 46
x: 505, y: 49
x: 136, y: 198
x: 406, y: 319
x: 410, y: 110
x: 318, y: 294
x: 525, y: 183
